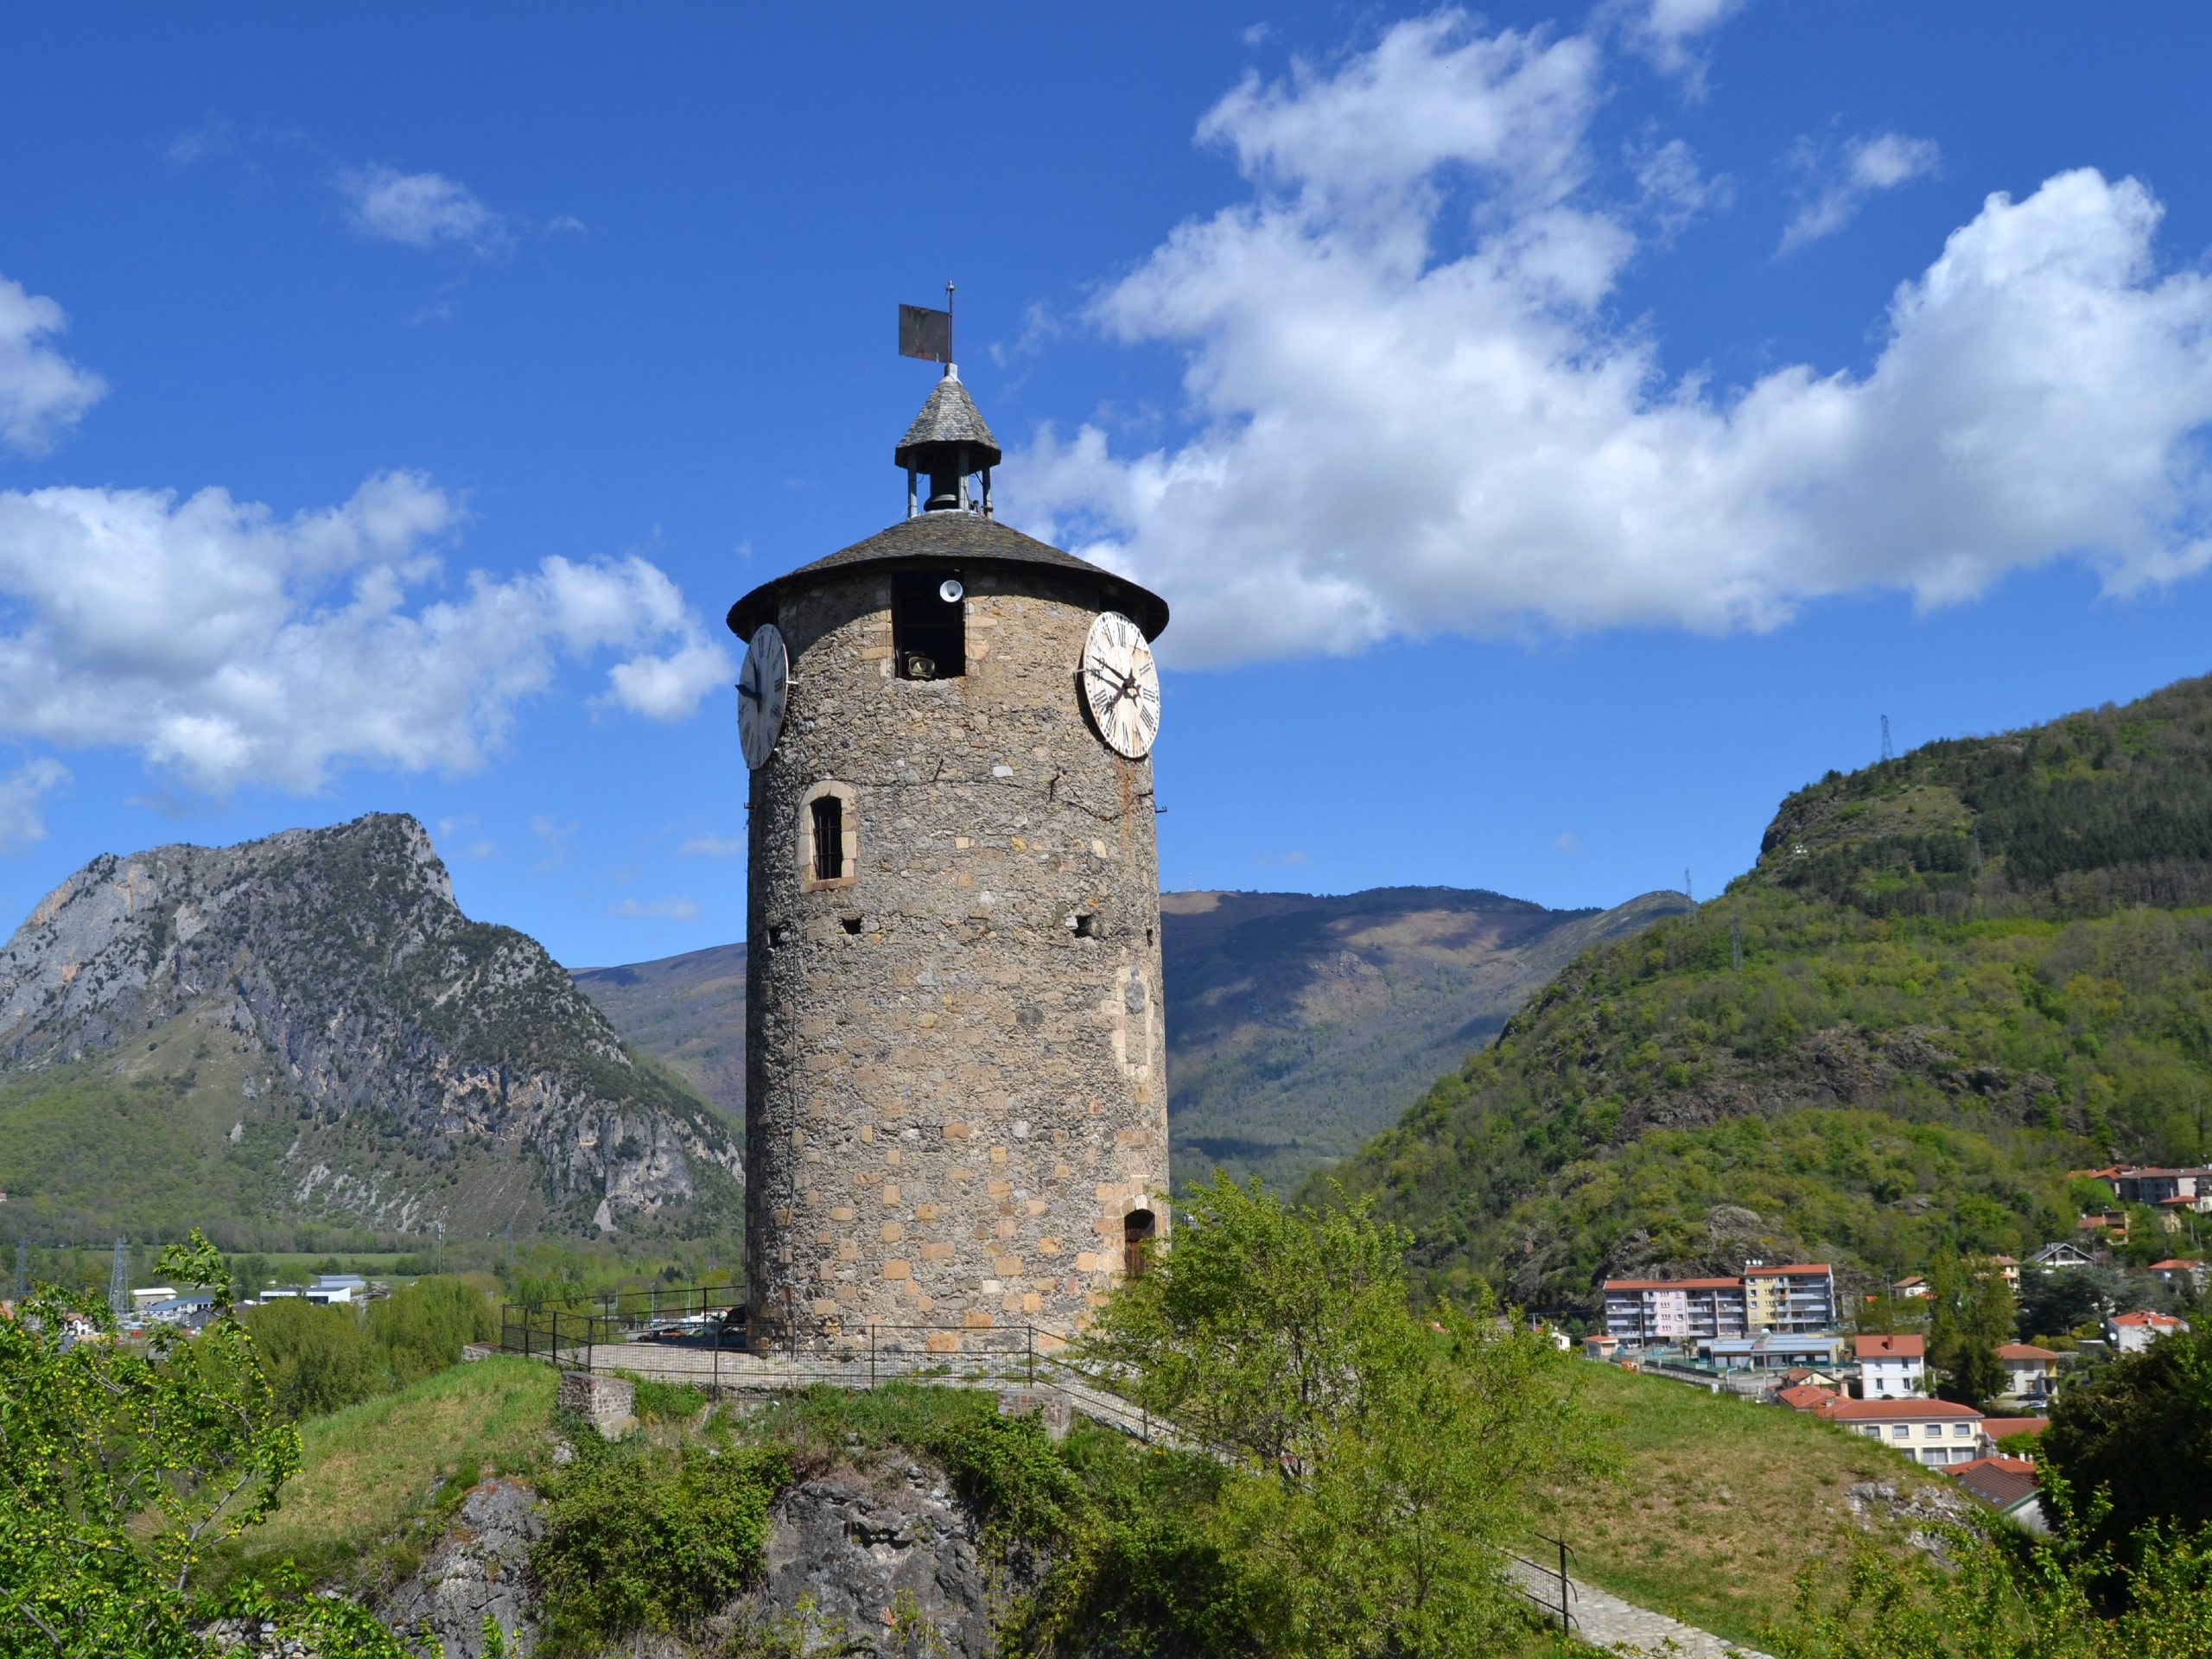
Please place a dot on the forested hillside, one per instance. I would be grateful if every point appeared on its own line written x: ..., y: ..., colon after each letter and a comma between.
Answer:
x: 1949, y: 978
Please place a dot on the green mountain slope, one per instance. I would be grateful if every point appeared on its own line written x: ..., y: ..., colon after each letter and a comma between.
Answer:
x: 1297, y: 1025
x: 1959, y: 972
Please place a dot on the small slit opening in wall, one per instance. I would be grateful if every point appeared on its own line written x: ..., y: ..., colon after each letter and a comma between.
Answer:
x: 779, y: 933
x: 1086, y: 925
x: 850, y: 923
x: 1147, y: 938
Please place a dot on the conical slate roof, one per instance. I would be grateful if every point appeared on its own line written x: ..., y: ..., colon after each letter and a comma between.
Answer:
x: 930, y: 540
x: 949, y: 416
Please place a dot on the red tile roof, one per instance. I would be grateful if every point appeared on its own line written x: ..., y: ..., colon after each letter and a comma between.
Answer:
x: 1807, y: 1397
x: 2024, y: 1351
x: 1898, y: 1411
x: 1888, y: 1347
x: 2000, y: 1481
x: 2172, y: 1264
x: 2001, y: 1429
x: 2154, y: 1321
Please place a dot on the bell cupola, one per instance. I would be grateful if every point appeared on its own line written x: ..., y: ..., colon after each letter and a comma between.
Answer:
x: 948, y: 443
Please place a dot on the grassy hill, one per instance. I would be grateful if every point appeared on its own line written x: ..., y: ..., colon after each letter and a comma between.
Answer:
x: 1297, y: 1025
x: 1948, y: 978
x: 1720, y: 1503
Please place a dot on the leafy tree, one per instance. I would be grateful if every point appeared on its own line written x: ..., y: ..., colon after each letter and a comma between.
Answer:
x: 1393, y: 1451
x: 2052, y: 1304
x: 1970, y: 1312
x: 2141, y: 1434
x: 122, y: 1467
x: 318, y: 1359
x: 421, y: 1328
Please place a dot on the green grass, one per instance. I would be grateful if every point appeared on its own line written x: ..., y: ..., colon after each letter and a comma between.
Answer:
x: 1720, y: 1503
x: 377, y: 1476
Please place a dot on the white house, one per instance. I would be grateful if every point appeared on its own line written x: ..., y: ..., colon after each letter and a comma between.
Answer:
x: 2131, y: 1333
x: 1890, y: 1368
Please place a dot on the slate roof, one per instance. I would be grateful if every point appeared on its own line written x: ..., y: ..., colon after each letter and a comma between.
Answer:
x: 949, y: 417
x: 961, y: 539
x: 2002, y: 1482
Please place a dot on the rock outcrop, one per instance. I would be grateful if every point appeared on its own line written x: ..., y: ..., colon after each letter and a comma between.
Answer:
x: 480, y: 1568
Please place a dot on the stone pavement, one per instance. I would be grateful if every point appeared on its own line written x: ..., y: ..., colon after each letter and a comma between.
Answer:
x: 1606, y: 1621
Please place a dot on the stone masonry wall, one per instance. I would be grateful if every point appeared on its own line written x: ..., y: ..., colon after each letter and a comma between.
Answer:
x: 956, y: 1077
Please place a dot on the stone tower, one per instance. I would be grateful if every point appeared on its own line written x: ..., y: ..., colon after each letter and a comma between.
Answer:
x: 956, y: 1083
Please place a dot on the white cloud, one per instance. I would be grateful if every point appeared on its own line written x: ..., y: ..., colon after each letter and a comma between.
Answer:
x: 22, y: 798
x: 673, y: 910
x: 196, y: 144
x: 226, y: 644
x: 1669, y: 33
x: 420, y: 210
x: 1567, y: 842
x: 1876, y: 161
x: 713, y: 847
x: 42, y: 393
x: 1403, y: 422
x: 1675, y: 190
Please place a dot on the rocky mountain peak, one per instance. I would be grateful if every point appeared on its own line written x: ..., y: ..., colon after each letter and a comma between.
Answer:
x: 398, y: 1024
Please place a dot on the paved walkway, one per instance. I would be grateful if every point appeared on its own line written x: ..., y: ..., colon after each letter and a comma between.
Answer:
x: 1602, y: 1620
x: 1606, y: 1621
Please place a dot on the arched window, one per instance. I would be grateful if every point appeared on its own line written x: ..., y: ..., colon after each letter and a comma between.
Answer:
x: 1138, y: 1227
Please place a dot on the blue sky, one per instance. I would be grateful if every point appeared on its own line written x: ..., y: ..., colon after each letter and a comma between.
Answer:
x: 1560, y: 432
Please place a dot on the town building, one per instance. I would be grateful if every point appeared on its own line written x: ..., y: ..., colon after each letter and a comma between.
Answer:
x: 1914, y: 1286
x: 1797, y: 1298
x: 1770, y: 1352
x: 2007, y: 1485
x: 2192, y: 1187
x: 1652, y: 1313
x: 2028, y: 1369
x: 956, y: 1070
x: 1890, y: 1367
x: 2053, y: 1258
x: 1806, y: 1396
x: 2008, y: 1267
x: 2175, y: 1273
x: 1935, y: 1432
x: 2131, y: 1333
x: 146, y: 1295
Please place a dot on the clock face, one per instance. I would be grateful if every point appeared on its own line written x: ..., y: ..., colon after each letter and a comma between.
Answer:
x: 1119, y: 685
x: 761, y: 684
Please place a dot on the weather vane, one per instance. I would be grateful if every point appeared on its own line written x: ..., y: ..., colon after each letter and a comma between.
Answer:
x: 927, y: 333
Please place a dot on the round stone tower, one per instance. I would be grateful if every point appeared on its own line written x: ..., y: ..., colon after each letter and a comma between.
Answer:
x: 956, y: 1081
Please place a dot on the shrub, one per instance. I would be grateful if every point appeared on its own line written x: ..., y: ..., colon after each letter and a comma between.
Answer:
x: 641, y: 1539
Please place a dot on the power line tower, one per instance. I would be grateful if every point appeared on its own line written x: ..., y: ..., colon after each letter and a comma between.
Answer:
x: 1736, y: 943
x: 1976, y: 852
x: 1888, y: 753
x: 118, y: 1279
x: 442, y: 1246
x: 1688, y: 892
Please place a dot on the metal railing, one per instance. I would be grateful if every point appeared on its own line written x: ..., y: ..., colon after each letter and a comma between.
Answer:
x: 1549, y: 1590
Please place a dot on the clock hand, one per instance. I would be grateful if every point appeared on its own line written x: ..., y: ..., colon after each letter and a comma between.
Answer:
x: 745, y: 690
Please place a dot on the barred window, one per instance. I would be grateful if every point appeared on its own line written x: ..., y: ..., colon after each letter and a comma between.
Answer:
x: 829, y: 838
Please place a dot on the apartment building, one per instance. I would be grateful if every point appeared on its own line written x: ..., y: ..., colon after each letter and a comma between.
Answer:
x: 1647, y: 1312
x: 1796, y: 1299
